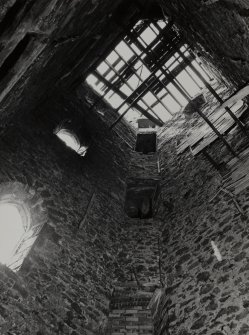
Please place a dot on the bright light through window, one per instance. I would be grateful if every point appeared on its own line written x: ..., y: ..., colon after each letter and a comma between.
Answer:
x: 162, y: 24
x: 71, y: 141
x: 112, y: 57
x: 148, y: 36
x: 124, y: 50
x: 142, y: 74
x: 102, y: 68
x: 188, y: 83
x: 11, y: 231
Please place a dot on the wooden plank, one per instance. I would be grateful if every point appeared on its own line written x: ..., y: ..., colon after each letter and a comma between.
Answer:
x: 241, y: 94
x: 89, y: 206
x: 204, y: 136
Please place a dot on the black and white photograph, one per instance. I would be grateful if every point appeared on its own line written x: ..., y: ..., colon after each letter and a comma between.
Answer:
x: 124, y: 167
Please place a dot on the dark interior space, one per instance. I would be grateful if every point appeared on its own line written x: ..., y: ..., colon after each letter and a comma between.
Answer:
x: 146, y: 143
x: 140, y: 199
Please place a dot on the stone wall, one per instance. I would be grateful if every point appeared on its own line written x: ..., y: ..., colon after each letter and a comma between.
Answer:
x: 140, y: 244
x: 205, y: 292
x: 130, y: 312
x: 144, y: 166
x: 219, y: 30
x: 49, y: 44
x: 65, y: 283
x: 139, y: 256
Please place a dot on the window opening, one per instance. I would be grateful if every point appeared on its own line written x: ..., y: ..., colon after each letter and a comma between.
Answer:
x: 145, y: 74
x: 20, y: 223
x: 12, y: 229
x: 71, y: 141
x: 141, y: 198
x: 146, y: 143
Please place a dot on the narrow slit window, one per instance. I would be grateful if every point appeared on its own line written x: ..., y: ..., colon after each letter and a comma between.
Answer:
x: 71, y: 141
